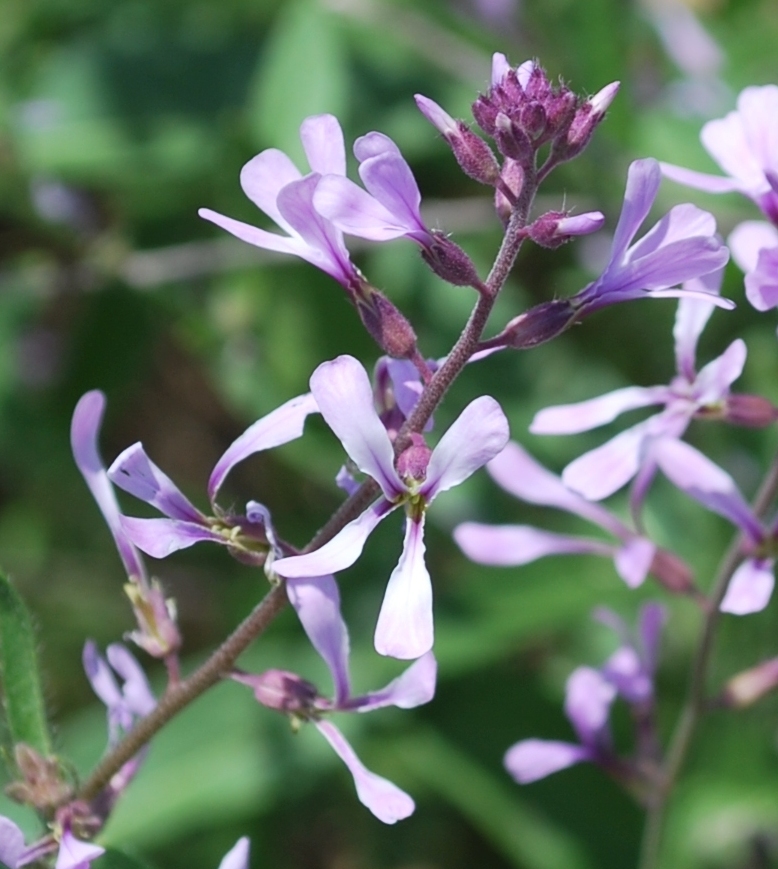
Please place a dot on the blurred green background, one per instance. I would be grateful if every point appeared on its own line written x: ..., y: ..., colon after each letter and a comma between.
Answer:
x: 118, y: 119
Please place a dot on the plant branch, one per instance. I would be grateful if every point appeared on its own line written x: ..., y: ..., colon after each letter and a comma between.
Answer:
x: 696, y: 700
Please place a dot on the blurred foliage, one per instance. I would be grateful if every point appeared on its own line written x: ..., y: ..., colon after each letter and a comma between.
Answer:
x: 118, y: 119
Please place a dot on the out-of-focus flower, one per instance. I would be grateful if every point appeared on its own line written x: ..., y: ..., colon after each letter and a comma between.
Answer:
x: 277, y: 187
x: 629, y: 672
x: 289, y: 693
x: 344, y: 396
x: 72, y: 853
x: 158, y: 633
x: 690, y: 394
x: 127, y: 704
x: 751, y: 585
x: 631, y: 668
x: 75, y: 854
x: 588, y: 699
x: 14, y: 852
x: 745, y: 145
x: 754, y: 246
x: 185, y: 525
x: 507, y: 545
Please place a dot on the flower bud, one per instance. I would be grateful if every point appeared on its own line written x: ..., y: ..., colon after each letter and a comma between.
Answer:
x: 751, y: 685
x: 474, y: 156
x: 532, y: 119
x: 412, y: 461
x: 536, y: 326
x: 512, y: 141
x: 156, y: 615
x: 449, y: 261
x: 42, y: 784
x: 281, y: 690
x: 556, y: 227
x: 672, y: 572
x: 753, y: 411
x: 584, y: 123
x: 387, y: 326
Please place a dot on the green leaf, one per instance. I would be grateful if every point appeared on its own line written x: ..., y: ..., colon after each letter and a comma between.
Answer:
x: 303, y: 73
x: 23, y: 698
x: 528, y: 839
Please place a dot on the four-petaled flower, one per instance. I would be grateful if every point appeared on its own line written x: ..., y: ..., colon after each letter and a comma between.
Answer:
x: 507, y: 545
x: 134, y: 472
x: 344, y: 397
x: 629, y: 673
x: 289, y: 693
x: 681, y: 246
x: 751, y: 585
x: 745, y: 145
x: 276, y: 186
x: 691, y: 393
x: 157, y: 633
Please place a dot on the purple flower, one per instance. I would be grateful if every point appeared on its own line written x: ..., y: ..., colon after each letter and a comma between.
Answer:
x: 157, y: 633
x: 683, y: 245
x: 745, y: 145
x: 754, y: 245
x: 343, y: 393
x: 588, y: 699
x: 277, y: 187
x: 629, y: 672
x: 630, y: 669
x: 602, y: 471
x: 127, y: 704
x: 388, y: 208
x: 14, y: 853
x: 75, y: 854
x: 752, y: 583
x: 134, y: 472
x: 507, y: 545
x: 290, y: 693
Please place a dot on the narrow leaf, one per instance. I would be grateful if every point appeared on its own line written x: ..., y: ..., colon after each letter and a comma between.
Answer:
x: 23, y: 699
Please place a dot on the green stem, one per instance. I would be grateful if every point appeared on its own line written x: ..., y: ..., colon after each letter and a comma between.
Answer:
x: 696, y: 699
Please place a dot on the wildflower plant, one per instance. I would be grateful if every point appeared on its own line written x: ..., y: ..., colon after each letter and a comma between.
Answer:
x: 396, y: 458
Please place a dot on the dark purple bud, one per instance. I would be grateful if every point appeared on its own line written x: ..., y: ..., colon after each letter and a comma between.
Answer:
x: 672, y: 572
x: 512, y: 141
x: 584, y: 123
x: 412, y: 461
x: 387, y: 326
x: 556, y: 227
x: 450, y: 262
x: 537, y: 86
x: 536, y: 326
x: 281, y: 690
x: 560, y: 111
x: 485, y: 114
x: 753, y: 411
x: 751, y: 685
x: 532, y: 119
x: 474, y: 156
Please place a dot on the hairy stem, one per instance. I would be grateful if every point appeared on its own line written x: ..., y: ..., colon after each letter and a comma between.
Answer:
x: 696, y: 699
x: 183, y: 693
